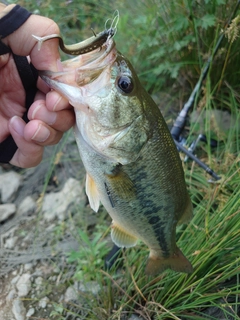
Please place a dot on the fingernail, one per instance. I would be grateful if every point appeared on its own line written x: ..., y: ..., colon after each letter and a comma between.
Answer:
x: 56, y: 103
x: 40, y: 113
x: 17, y: 124
x: 41, y: 134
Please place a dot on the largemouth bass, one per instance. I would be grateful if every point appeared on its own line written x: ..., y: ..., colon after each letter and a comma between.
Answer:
x: 133, y: 167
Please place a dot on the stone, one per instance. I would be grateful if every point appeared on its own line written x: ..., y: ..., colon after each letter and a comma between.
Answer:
x: 28, y: 266
x: 6, y: 211
x: 30, y: 312
x: 39, y: 282
x: 10, y: 243
x: 15, y: 279
x: 91, y: 286
x: 27, y: 206
x: 43, y: 302
x: 9, y: 185
x: 12, y: 294
x: 18, y: 309
x: 71, y: 294
x: 55, y: 205
x: 220, y: 121
x: 24, y: 285
x: 135, y: 317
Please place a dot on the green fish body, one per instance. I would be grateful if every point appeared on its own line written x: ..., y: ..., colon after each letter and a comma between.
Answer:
x: 132, y: 164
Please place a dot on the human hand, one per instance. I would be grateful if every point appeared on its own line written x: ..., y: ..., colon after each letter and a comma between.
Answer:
x: 50, y: 115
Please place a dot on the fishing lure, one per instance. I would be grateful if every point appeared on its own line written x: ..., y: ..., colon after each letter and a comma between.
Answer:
x: 82, y: 47
x: 88, y: 45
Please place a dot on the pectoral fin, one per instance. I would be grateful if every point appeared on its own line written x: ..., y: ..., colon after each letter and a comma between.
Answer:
x: 122, y: 238
x: 122, y: 185
x: 92, y: 193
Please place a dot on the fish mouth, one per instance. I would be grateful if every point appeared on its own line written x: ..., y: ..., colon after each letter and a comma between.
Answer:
x: 83, y: 69
x: 77, y: 74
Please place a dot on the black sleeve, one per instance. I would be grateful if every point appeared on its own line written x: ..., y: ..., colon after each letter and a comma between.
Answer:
x: 13, y: 20
x: 28, y: 74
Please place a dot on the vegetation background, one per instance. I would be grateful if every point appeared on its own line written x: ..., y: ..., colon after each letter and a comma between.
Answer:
x: 168, y: 43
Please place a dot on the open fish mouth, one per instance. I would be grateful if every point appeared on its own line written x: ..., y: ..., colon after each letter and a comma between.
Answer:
x: 82, y: 69
x: 93, y: 55
x: 75, y: 79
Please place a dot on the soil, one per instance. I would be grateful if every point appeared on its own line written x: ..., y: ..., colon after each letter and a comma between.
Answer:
x: 34, y: 273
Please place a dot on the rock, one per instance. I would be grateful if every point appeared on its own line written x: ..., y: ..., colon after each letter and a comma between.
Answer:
x: 71, y: 294
x: 9, y: 184
x: 11, y: 295
x: 55, y: 205
x: 15, y: 279
x: 6, y: 211
x: 43, y: 302
x: 10, y: 243
x: 135, y: 317
x: 24, y: 285
x: 38, y: 282
x: 27, y: 206
x: 18, y: 309
x: 91, y: 286
x: 220, y: 122
x: 28, y: 266
x: 30, y: 312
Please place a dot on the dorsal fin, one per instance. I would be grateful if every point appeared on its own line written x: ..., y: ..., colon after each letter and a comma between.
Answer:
x: 188, y: 212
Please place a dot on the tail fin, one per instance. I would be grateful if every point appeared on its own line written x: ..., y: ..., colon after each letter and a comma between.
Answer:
x: 177, y: 262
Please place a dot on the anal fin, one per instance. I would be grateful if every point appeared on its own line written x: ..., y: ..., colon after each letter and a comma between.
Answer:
x: 122, y: 238
x: 177, y: 262
x: 92, y: 193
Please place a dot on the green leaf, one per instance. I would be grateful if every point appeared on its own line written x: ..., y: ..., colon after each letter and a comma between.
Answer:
x: 181, y: 24
x: 219, y: 2
x: 206, y: 21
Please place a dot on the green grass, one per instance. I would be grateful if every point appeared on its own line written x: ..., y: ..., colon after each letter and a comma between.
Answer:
x: 168, y: 43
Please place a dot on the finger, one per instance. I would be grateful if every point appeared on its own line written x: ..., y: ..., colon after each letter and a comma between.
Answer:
x: 42, y: 134
x: 22, y: 43
x: 28, y: 154
x: 61, y: 120
x: 55, y: 102
x: 39, y: 96
x: 4, y: 59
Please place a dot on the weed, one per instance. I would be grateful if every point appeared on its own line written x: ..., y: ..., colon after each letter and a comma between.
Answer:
x: 90, y: 256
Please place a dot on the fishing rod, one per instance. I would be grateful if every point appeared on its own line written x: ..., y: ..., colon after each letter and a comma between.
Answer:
x: 178, y: 127
x: 180, y: 122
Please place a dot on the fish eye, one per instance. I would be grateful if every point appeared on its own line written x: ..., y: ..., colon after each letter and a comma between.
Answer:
x: 125, y: 84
